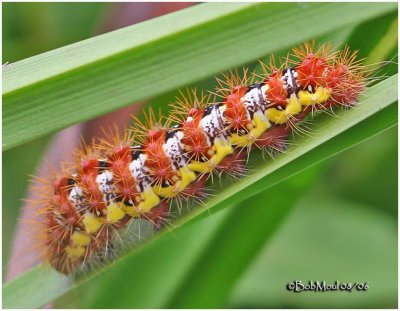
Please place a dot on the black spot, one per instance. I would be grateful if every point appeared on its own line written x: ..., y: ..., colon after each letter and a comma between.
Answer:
x: 170, y: 134
x: 102, y: 165
x: 175, y: 164
x: 71, y: 181
x: 136, y: 151
x: 254, y: 86
x: 127, y: 203
x: 164, y: 184
x: 290, y: 69
x: 208, y: 110
x: 141, y: 187
x: 110, y: 196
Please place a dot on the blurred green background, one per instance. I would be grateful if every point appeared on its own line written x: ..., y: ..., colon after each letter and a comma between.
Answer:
x: 343, y: 220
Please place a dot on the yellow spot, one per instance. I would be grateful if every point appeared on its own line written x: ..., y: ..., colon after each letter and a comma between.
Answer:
x: 115, y: 212
x: 187, y: 176
x: 197, y: 166
x: 80, y: 238
x: 276, y: 116
x: 305, y: 98
x: 260, y: 125
x: 222, y: 148
x: 237, y: 140
x: 92, y: 223
x: 131, y: 210
x: 293, y: 106
x: 149, y: 200
x: 75, y: 252
x: 321, y: 95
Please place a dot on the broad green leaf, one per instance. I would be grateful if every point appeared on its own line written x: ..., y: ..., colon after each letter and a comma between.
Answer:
x: 375, y: 113
x: 78, y: 82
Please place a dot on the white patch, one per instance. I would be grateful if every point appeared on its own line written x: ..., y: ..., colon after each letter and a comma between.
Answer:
x: 76, y: 197
x: 212, y: 125
x: 252, y: 97
x: 290, y: 81
x: 138, y: 171
x: 254, y: 100
x: 106, y: 186
x: 264, y: 90
x: 136, y: 166
x: 173, y: 148
x: 104, y: 179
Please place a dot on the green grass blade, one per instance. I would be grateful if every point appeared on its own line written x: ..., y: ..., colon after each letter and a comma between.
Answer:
x: 248, y: 227
x: 75, y: 83
x: 376, y: 112
x: 311, y: 245
x: 23, y: 293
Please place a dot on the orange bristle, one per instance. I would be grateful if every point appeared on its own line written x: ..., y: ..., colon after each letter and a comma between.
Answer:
x: 147, y: 171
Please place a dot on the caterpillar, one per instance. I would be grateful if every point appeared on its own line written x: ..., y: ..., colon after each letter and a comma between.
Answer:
x: 159, y: 161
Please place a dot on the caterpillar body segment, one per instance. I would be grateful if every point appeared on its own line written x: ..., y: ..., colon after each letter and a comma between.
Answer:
x: 136, y: 177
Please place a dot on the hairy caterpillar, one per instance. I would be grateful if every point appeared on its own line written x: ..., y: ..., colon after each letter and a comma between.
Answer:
x: 119, y: 179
